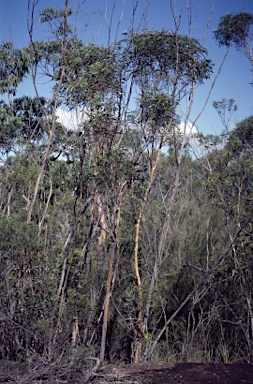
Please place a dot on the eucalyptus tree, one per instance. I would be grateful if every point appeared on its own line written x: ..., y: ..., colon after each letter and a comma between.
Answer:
x: 92, y: 81
x: 166, y: 67
x: 23, y: 128
x: 163, y: 67
x: 236, y: 29
x: 50, y: 15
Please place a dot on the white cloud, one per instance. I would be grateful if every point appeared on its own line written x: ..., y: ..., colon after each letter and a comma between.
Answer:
x: 71, y: 119
x: 188, y: 128
x: 74, y: 119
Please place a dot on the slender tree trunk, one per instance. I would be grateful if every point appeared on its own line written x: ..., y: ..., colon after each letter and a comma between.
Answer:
x: 107, y: 302
x: 52, y: 130
x: 136, y: 264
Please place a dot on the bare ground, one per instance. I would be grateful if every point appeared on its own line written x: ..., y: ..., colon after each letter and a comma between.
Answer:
x: 187, y: 373
x: 143, y: 373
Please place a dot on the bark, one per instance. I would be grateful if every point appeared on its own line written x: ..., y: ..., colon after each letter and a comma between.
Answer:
x: 68, y: 243
x: 107, y: 302
x: 136, y: 266
x: 47, y: 204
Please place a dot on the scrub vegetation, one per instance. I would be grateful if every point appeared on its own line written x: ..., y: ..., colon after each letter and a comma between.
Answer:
x: 126, y: 238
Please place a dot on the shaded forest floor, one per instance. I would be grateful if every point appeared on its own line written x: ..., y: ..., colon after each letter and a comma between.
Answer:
x: 144, y: 373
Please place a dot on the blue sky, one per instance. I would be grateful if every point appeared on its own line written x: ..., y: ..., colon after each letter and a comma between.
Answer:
x: 233, y: 82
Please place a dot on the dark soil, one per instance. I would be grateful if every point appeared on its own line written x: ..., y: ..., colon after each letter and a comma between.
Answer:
x: 144, y: 373
x: 185, y: 373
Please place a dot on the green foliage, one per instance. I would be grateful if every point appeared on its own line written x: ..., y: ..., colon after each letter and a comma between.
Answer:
x: 22, y: 120
x: 225, y: 109
x: 22, y: 237
x: 156, y: 107
x: 241, y: 138
x: 50, y: 14
x: 14, y: 66
x: 156, y: 56
x: 234, y: 28
x: 224, y: 104
x: 55, y: 18
x: 91, y: 74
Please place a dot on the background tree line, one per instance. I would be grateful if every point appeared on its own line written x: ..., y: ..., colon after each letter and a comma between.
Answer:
x: 125, y: 239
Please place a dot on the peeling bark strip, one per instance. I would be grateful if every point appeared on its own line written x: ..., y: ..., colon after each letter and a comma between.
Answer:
x: 136, y: 266
x: 107, y: 302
